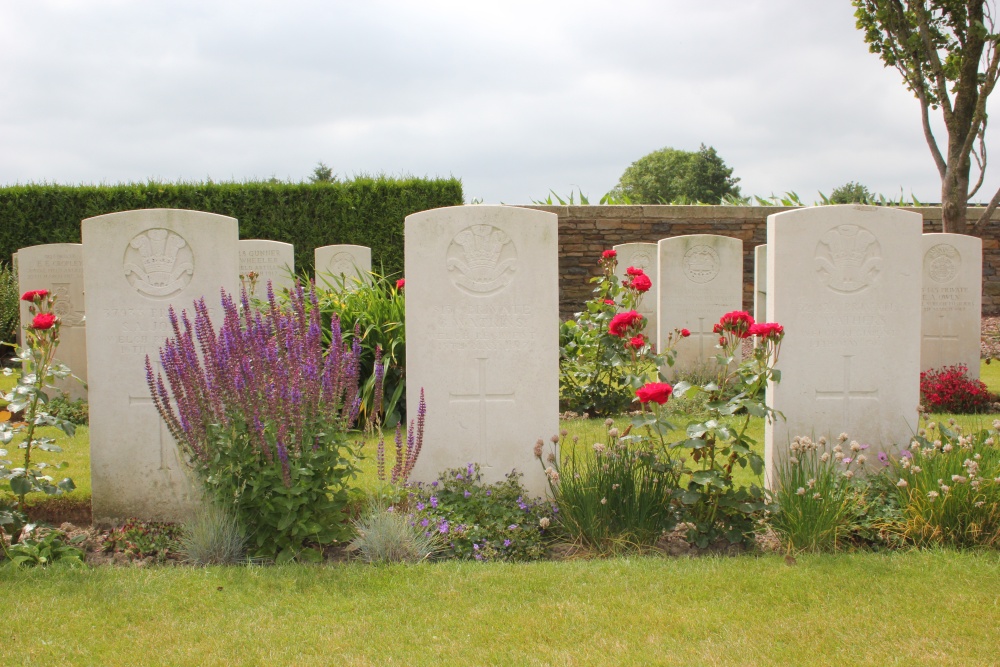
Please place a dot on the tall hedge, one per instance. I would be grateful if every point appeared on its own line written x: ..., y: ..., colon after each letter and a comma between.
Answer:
x: 363, y: 211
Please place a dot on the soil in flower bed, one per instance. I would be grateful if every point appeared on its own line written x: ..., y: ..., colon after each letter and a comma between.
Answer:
x: 59, y: 510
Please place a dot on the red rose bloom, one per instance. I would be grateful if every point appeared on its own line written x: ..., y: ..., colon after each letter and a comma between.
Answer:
x: 658, y: 392
x: 31, y: 295
x: 685, y: 333
x: 621, y: 323
x: 43, y: 320
x: 640, y: 283
x: 609, y: 302
x: 737, y: 322
x: 767, y: 330
x: 722, y: 341
x: 636, y: 342
x: 609, y: 254
x: 632, y: 271
x: 401, y: 283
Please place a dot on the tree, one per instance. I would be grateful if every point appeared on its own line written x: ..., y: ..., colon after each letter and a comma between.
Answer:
x: 850, y: 193
x: 669, y: 175
x: 322, y: 174
x: 947, y: 53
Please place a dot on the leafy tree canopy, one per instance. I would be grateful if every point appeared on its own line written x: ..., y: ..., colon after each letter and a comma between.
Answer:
x: 850, y: 193
x: 670, y: 175
x: 947, y: 53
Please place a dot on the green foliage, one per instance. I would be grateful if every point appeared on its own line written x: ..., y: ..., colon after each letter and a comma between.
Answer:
x: 618, y: 499
x: 377, y: 312
x: 10, y: 309
x: 599, y: 371
x: 74, y: 411
x: 850, y: 193
x: 212, y: 537
x: 668, y: 175
x: 365, y: 211
x: 816, y: 504
x: 322, y: 174
x: 386, y: 535
x: 40, y: 547
x: 949, y: 487
x: 145, y: 539
x: 482, y: 522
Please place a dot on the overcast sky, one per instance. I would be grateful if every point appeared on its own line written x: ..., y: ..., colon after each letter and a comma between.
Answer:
x: 512, y: 97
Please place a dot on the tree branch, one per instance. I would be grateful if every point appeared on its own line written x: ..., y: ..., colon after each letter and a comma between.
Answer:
x: 937, y: 69
x: 988, y: 213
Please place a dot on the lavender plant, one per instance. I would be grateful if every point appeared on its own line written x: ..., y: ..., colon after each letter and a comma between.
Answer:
x: 263, y: 415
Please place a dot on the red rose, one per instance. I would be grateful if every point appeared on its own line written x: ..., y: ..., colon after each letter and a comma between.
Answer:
x: 609, y: 302
x: 622, y: 322
x: 43, y: 320
x: 640, y: 283
x: 35, y: 294
x: 632, y: 271
x: 658, y: 392
x: 685, y: 333
x: 401, y: 283
x: 609, y: 254
x: 636, y: 342
x: 737, y: 322
x: 722, y: 341
x: 767, y: 330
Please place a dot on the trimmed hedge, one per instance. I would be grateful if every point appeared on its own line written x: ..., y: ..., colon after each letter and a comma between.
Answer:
x: 364, y: 211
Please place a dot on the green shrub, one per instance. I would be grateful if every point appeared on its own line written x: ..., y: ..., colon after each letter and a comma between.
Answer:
x: 365, y: 211
x: 386, y: 535
x: 41, y: 546
x: 618, y: 498
x: 10, y: 308
x: 482, y: 522
x: 375, y: 313
x: 212, y: 537
x: 76, y: 411
x: 948, y: 486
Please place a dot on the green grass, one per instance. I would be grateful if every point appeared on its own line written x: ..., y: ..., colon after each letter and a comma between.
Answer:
x: 917, y: 608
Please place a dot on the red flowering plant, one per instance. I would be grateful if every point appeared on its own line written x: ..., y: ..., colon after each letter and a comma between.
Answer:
x: 39, y: 369
x: 704, y: 461
x: 950, y: 389
x: 604, y: 354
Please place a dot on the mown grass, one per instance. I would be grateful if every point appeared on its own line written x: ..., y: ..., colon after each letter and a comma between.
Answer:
x: 917, y: 608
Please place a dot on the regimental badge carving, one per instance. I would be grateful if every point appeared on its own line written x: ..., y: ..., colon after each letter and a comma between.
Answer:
x: 482, y: 260
x: 848, y: 258
x: 643, y: 260
x: 342, y: 264
x: 941, y: 262
x: 701, y: 263
x: 69, y: 314
x: 158, y: 263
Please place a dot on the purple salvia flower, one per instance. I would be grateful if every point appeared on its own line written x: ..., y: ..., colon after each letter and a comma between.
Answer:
x: 379, y: 379
x: 380, y: 457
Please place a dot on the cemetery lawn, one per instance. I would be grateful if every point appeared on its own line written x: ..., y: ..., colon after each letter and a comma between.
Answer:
x: 912, y: 608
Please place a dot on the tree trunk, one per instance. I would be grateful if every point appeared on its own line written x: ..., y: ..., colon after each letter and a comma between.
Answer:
x: 954, y: 203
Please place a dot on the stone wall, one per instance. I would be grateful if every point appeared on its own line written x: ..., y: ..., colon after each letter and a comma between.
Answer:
x: 585, y: 231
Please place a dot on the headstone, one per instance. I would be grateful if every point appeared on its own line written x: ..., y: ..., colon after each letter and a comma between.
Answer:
x: 844, y: 283
x: 482, y: 323
x: 353, y: 263
x: 642, y: 256
x: 701, y: 279
x: 136, y: 264
x: 271, y: 260
x: 952, y: 301
x: 58, y: 267
x: 760, y: 283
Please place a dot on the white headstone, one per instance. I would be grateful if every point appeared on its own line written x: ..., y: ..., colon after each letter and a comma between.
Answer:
x: 271, y: 260
x: 137, y: 264
x: 952, y: 301
x: 642, y: 256
x: 58, y: 267
x: 701, y: 279
x: 353, y: 262
x: 844, y: 282
x: 760, y: 283
x: 482, y: 323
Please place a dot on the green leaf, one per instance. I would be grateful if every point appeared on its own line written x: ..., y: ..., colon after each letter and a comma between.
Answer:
x: 704, y: 477
x: 67, y: 485
x: 20, y: 485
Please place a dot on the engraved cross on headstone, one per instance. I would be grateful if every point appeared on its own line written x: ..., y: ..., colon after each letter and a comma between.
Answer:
x: 847, y: 394
x: 940, y: 338
x: 168, y: 449
x: 702, y: 334
x: 482, y: 398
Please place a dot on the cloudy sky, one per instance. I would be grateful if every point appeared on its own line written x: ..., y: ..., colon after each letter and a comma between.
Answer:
x: 513, y: 97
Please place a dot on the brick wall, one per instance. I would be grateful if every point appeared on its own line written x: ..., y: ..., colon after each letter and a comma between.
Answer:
x: 585, y: 231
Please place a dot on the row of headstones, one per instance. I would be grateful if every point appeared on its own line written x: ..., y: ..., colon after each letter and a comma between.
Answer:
x: 58, y: 267
x: 482, y: 333
x: 699, y: 277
